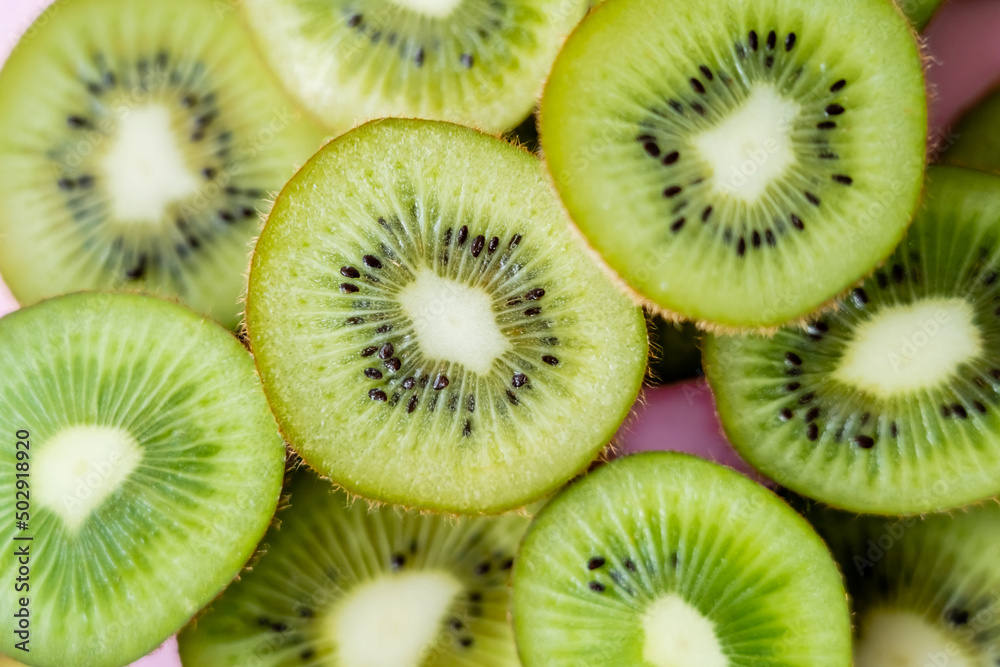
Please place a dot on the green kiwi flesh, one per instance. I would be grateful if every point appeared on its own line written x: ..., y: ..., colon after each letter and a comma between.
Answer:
x: 147, y: 467
x: 429, y: 331
x: 977, y: 137
x: 342, y: 584
x: 924, y: 591
x: 146, y: 158
x: 475, y: 62
x: 739, y: 162
x: 920, y: 12
x: 889, y: 404
x: 664, y: 559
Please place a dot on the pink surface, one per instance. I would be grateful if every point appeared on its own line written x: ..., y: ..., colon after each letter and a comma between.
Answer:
x: 963, y: 45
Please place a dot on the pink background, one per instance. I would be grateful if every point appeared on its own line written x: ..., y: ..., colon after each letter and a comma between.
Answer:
x: 964, y: 54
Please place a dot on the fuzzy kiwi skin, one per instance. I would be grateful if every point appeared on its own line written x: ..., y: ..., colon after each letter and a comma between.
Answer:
x: 977, y: 137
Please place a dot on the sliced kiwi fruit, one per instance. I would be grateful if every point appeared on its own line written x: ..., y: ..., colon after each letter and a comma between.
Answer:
x: 476, y: 62
x: 920, y: 12
x: 429, y: 331
x: 925, y: 591
x: 891, y: 403
x: 665, y: 560
x: 976, y: 137
x: 738, y: 163
x: 675, y: 351
x: 146, y: 158
x: 146, y: 467
x: 340, y: 584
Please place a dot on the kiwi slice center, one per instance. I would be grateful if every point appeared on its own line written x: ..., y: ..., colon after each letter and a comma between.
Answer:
x: 435, y: 8
x: 454, y: 322
x: 751, y: 147
x: 908, y: 347
x: 144, y: 170
x: 677, y: 635
x: 394, y: 620
x: 905, y: 639
x: 79, y: 467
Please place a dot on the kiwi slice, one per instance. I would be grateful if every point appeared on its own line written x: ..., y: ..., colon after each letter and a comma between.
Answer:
x: 891, y: 403
x: 675, y: 351
x: 665, y: 560
x: 340, y: 584
x: 738, y: 163
x: 920, y: 12
x: 924, y: 590
x: 429, y: 331
x: 145, y: 160
x: 145, y: 469
x: 977, y: 137
x: 477, y: 62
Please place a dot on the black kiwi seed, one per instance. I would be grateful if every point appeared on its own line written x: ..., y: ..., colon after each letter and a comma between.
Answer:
x: 393, y: 364
x: 842, y: 179
x: 463, y: 234
x: 651, y: 148
x: 596, y: 586
x: 386, y: 351
x: 595, y: 563
x: 706, y: 214
x: 493, y: 245
x: 377, y: 395
x: 477, y: 245
x: 826, y: 125
x: 397, y: 561
x: 793, y: 359
x: 550, y: 360
x: 677, y: 225
x: 707, y: 72
x: 958, y: 616
x: 465, y: 641
x: 813, y: 199
x: 307, y: 654
x: 531, y: 312
x: 372, y: 262
x: 519, y: 380
x: 440, y: 382
x: 753, y: 39
x: 514, y: 241
x: 959, y: 411
x: 409, y: 383
x: 812, y: 415
x: 456, y: 624
x: 672, y: 191
x: 482, y: 568
x: 369, y: 351
x: 305, y: 612
x: 859, y: 297
x: 354, y: 20
x: 349, y: 272
x: 466, y: 60
x: 279, y: 627
x: 535, y: 294
x: 629, y: 565
x: 512, y: 397
x: 786, y: 414
x: 790, y: 41
x: 812, y: 432
x: 805, y: 399
x: 411, y: 405
x: 418, y: 57
x: 863, y: 441
x: 671, y: 158
x: 348, y: 288
x: 698, y: 86
x: 772, y: 39
x: 373, y: 373
x: 797, y: 222
x: 838, y: 86
x: 834, y: 110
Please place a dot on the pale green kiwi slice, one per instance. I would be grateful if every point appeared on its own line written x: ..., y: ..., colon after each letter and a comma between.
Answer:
x: 666, y: 560
x: 141, y: 143
x: 924, y: 591
x: 144, y: 464
x: 429, y: 331
x: 341, y: 585
x: 476, y: 62
x: 891, y: 403
x: 976, y: 137
x: 738, y: 162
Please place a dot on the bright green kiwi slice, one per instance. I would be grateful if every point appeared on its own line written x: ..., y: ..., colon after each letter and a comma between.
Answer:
x: 342, y: 585
x: 144, y: 463
x: 977, y: 137
x: 666, y: 560
x: 925, y: 591
x: 477, y: 62
x: 146, y: 157
x: 429, y: 331
x: 891, y: 403
x: 920, y: 12
x: 738, y: 162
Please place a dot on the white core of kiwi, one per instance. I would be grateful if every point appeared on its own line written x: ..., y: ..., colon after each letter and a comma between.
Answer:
x: 905, y: 639
x: 393, y: 620
x: 144, y: 167
x: 752, y: 147
x: 436, y: 8
x: 909, y: 347
x: 79, y: 467
x: 454, y: 322
x: 677, y: 635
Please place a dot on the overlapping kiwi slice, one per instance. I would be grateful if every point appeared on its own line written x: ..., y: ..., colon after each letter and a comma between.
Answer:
x: 663, y: 559
x: 977, y: 137
x: 428, y: 330
x: 890, y: 404
x: 477, y: 62
x: 739, y: 163
x: 141, y: 140
x: 925, y: 591
x: 920, y: 12
x: 144, y: 464
x: 340, y: 584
